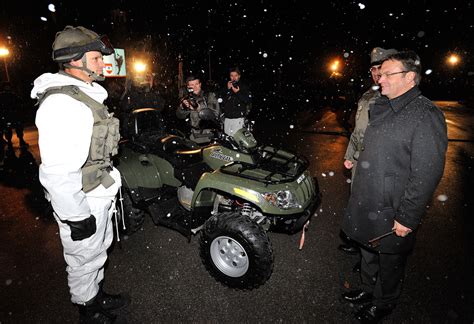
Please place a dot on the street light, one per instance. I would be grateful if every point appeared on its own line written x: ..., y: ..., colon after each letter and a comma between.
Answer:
x: 4, y: 52
x: 139, y: 67
x: 453, y: 59
x: 334, y: 67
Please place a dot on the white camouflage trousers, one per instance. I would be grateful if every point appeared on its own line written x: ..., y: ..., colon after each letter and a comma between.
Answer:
x: 86, y: 258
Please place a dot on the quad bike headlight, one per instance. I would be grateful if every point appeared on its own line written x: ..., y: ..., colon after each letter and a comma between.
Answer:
x: 283, y: 199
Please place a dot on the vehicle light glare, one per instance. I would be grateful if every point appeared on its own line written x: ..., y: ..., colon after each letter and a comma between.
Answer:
x: 282, y: 199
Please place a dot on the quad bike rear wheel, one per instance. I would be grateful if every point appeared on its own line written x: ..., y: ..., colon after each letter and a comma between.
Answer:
x: 236, y: 251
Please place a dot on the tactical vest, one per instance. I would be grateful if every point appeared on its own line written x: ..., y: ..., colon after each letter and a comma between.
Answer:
x: 104, y: 142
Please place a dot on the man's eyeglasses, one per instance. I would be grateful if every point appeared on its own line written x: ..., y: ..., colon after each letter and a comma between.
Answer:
x: 388, y: 75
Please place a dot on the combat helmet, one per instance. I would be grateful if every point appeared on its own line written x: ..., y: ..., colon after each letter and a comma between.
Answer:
x: 72, y: 43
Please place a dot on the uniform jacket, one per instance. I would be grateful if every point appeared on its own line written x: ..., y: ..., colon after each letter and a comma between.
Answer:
x: 361, y: 121
x: 65, y: 129
x: 236, y: 105
x: 400, y: 164
x: 204, y: 100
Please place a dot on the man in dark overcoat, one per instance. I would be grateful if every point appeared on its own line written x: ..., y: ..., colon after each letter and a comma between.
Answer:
x: 400, y: 165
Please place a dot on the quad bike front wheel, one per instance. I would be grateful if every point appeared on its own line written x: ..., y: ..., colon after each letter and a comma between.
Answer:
x: 236, y: 251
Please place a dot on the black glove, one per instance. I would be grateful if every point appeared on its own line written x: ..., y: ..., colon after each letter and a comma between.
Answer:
x: 82, y: 229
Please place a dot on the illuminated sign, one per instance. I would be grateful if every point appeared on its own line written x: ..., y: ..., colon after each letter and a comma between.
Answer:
x: 115, y: 64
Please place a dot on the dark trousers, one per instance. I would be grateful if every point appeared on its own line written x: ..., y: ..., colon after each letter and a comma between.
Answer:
x: 382, y: 275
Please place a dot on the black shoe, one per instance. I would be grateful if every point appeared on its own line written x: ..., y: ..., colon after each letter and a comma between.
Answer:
x: 371, y: 314
x: 357, y: 296
x: 349, y: 249
x: 111, y: 302
x: 94, y: 314
x: 356, y: 267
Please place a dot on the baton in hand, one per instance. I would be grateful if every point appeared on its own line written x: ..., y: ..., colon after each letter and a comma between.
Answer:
x: 376, y: 240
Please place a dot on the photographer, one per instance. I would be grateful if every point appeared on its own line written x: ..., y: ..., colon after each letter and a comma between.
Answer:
x: 190, y: 106
x: 236, y: 103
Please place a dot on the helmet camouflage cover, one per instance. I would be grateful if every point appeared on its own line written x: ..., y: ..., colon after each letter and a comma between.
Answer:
x: 72, y: 43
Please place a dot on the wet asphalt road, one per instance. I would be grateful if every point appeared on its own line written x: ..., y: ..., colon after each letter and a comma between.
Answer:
x: 168, y: 283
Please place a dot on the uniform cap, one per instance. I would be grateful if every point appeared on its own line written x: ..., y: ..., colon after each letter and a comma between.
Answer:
x: 378, y: 55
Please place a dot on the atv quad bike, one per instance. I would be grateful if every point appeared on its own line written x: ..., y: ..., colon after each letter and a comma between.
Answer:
x: 231, y: 191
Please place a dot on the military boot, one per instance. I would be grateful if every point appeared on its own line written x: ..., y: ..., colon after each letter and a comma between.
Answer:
x: 110, y: 301
x: 92, y: 313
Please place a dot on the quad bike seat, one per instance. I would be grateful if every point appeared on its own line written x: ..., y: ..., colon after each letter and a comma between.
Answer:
x: 186, y: 157
x: 179, y: 151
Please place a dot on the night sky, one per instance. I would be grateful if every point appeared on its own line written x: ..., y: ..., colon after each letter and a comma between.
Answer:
x: 278, y: 46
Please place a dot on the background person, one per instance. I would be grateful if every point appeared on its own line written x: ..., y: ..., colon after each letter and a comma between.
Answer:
x: 377, y: 56
x: 12, y: 109
x: 191, y: 104
x: 236, y: 102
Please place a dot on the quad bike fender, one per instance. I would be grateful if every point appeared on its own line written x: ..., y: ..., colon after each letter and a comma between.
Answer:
x: 145, y: 170
x: 252, y: 191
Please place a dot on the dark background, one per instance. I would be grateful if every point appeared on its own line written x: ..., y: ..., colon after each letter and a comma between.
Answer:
x: 283, y: 49
x: 157, y: 266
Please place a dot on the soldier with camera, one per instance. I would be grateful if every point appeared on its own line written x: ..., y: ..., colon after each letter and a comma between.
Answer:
x: 192, y: 104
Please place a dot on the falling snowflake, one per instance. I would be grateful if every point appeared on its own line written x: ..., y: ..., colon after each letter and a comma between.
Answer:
x: 372, y: 216
x: 361, y: 6
x: 442, y: 197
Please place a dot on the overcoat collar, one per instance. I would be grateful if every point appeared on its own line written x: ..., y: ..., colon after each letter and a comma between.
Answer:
x: 401, y: 101
x: 383, y: 106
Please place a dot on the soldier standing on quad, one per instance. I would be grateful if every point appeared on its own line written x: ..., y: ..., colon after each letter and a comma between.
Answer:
x: 236, y: 102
